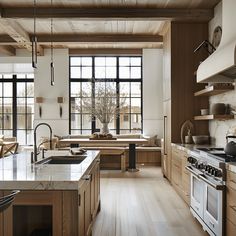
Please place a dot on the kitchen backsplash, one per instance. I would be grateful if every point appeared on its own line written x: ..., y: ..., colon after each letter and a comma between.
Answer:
x: 219, y: 129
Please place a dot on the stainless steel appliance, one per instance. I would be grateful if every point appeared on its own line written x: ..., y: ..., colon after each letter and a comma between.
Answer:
x: 208, y: 176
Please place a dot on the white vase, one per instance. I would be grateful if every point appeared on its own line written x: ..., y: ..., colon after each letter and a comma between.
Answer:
x: 105, y: 129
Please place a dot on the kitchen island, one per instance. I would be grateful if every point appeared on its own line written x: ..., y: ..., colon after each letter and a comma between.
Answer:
x: 59, y: 198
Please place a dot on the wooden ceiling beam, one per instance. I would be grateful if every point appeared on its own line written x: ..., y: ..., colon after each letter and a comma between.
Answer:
x: 18, y: 34
x: 7, y: 50
x: 110, y: 13
x: 84, y: 38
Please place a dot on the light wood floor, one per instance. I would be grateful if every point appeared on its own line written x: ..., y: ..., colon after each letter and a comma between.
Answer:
x: 142, y: 204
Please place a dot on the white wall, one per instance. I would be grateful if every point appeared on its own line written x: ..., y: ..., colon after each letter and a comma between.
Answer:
x: 152, y: 92
x: 43, y: 88
x: 219, y: 129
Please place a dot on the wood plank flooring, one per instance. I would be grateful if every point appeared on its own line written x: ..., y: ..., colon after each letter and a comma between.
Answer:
x: 142, y: 204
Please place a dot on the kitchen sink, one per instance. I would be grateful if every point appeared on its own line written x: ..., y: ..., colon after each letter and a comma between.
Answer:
x: 62, y: 160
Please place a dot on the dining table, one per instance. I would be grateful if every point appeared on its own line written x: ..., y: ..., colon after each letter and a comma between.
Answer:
x: 131, y: 142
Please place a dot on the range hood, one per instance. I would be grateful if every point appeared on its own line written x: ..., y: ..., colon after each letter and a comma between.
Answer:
x: 220, y: 66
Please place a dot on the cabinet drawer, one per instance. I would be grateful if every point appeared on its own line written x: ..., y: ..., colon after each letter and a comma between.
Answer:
x: 230, y: 228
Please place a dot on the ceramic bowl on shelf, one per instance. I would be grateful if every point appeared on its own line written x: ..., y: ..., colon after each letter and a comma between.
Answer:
x: 201, y: 139
x: 204, y: 112
x: 218, y: 109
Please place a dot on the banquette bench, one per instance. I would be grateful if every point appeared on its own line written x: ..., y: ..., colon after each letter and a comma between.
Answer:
x: 116, y: 156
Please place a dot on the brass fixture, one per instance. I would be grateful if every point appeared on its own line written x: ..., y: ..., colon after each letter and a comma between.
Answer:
x: 60, y: 100
x: 39, y: 100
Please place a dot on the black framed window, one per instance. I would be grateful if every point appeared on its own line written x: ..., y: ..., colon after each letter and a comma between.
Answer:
x: 123, y: 74
x: 17, y: 106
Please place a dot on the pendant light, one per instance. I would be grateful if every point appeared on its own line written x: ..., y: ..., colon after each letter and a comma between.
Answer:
x: 52, y: 62
x: 34, y: 41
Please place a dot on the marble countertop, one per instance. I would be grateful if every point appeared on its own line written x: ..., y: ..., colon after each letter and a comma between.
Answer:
x: 231, y: 166
x: 17, y: 172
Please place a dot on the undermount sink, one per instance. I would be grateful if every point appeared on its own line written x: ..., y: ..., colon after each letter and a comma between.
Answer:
x: 62, y: 160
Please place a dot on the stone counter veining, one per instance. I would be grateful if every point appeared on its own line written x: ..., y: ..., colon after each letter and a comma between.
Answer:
x: 17, y: 172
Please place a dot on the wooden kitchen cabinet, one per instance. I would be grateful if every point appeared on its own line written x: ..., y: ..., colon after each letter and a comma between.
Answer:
x: 179, y: 82
x: 231, y: 204
x: 180, y: 176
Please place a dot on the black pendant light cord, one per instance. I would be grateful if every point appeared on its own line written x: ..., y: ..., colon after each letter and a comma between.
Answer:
x: 52, y: 56
x: 34, y: 41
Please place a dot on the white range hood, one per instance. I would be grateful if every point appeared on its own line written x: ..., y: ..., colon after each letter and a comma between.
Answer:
x: 220, y: 66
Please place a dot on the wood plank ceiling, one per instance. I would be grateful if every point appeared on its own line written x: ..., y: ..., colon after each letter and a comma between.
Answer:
x: 95, y: 23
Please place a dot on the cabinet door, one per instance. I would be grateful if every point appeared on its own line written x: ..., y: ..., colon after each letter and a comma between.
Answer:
x: 85, y: 218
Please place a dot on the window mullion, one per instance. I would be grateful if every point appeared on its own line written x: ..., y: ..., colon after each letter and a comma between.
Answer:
x: 14, y: 106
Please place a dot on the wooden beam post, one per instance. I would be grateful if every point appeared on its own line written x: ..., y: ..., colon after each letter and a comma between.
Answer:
x: 8, y: 50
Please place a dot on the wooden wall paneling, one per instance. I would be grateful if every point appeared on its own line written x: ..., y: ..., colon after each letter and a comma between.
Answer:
x: 185, y: 37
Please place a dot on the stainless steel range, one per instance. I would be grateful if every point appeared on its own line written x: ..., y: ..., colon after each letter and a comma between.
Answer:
x: 208, y: 175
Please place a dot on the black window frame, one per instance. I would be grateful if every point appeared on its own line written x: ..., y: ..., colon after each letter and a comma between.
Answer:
x: 15, y: 80
x: 117, y: 80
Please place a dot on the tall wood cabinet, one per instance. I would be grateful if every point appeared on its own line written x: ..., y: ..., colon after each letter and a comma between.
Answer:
x: 179, y: 83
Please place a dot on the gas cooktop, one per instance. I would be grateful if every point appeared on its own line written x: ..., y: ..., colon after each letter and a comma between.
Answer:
x: 218, y: 153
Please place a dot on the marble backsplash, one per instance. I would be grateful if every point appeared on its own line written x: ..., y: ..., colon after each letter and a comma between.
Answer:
x: 219, y: 129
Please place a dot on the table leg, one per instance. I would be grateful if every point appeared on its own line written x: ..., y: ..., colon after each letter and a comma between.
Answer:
x: 132, y: 158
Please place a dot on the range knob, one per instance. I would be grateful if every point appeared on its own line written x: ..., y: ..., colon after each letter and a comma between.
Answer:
x: 213, y: 171
x: 218, y: 173
x: 191, y: 160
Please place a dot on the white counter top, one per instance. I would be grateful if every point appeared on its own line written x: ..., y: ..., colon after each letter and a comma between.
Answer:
x: 17, y: 172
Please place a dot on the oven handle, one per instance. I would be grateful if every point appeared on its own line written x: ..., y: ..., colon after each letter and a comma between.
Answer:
x: 215, y: 186
x: 189, y: 168
x: 201, y: 177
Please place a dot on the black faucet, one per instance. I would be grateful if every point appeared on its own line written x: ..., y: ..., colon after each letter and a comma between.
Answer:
x: 36, y: 152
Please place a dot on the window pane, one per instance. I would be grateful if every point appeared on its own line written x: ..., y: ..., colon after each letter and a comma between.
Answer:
x: 111, y: 72
x: 135, y: 105
x: 86, y: 89
x: 8, y: 133
x: 87, y: 72
x: 111, y: 61
x: 21, y: 105
x: 7, y: 119
x: 124, y: 89
x: 135, y: 89
x: 30, y: 105
x: 124, y: 72
x: 86, y: 61
x: 75, y: 61
x: 124, y: 131
x: 135, y: 61
x: 100, y: 72
x: 29, y: 135
x: 30, y: 121
x: 7, y: 90
x: 87, y: 132
x: 124, y: 105
x: 100, y: 61
x: 124, y: 121
x: 21, y: 136
x: 75, y: 89
x: 75, y: 72
x: 86, y: 105
x: 136, y: 72
x: 136, y: 121
x: 124, y: 61
x: 21, y: 124
x: 75, y: 121
x: 30, y: 89
x: 86, y: 121
x: 0, y: 89
x: 21, y: 90
x: 76, y: 105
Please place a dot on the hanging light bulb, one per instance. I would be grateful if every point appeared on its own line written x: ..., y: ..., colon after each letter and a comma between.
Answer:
x: 34, y: 41
x: 52, y: 62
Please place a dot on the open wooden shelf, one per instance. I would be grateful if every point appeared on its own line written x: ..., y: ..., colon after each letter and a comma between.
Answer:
x: 214, y: 117
x: 214, y: 90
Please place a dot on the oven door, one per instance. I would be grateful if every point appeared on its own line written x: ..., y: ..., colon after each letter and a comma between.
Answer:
x: 197, y: 189
x: 213, y: 209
